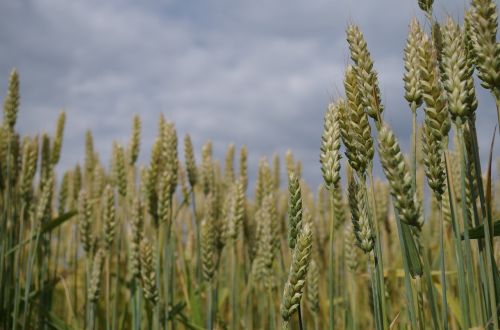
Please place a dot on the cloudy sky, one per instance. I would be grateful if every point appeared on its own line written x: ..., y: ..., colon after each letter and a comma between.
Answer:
x: 259, y: 72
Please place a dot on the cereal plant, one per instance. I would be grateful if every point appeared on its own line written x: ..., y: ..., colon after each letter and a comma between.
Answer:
x: 188, y: 244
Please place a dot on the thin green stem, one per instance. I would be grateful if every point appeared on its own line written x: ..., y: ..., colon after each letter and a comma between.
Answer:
x: 331, y: 263
x: 354, y: 305
x: 86, y: 287
x: 272, y: 315
x: 496, y: 94
x: 209, y: 306
x: 75, y: 269
x: 106, y: 297
x: 466, y: 222
x: 299, y: 311
x: 168, y: 259
x: 483, y: 252
x: 198, y: 239
x: 249, y: 304
x: 91, y: 316
x: 430, y: 289
x: 6, y: 237
x: 379, y: 264
x: 462, y: 289
x: 444, y: 301
x: 374, y: 281
x: 116, y: 293
x: 234, y: 287
x: 408, y: 286
x: 492, y: 269
x: 414, y: 146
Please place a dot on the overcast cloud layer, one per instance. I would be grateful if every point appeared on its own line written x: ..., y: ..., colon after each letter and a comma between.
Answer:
x: 259, y: 73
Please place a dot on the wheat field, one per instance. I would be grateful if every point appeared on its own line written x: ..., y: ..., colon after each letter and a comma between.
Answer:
x: 187, y: 243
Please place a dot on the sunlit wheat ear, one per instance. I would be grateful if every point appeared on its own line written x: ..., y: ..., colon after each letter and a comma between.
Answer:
x: 190, y: 161
x: 262, y: 184
x: 350, y: 250
x: 95, y: 277
x: 262, y: 264
x: 330, y: 145
x: 228, y: 220
x: 436, y: 111
x: 148, y: 273
x: 233, y: 217
x: 109, y: 217
x: 183, y: 183
x: 359, y: 128
x: 154, y: 163
x: 90, y: 155
x: 208, y: 240
x: 169, y: 154
x: 298, y: 168
x: 150, y: 179
x: 486, y: 47
x: 397, y: 172
x: 11, y: 103
x: 229, y: 164
x: 472, y: 102
x: 366, y: 77
x: 136, y: 231
x: 276, y: 171
x: 446, y: 207
x: 84, y: 220
x: 45, y: 159
x: 244, y: 167
x: 43, y: 203
x: 294, y: 209
x: 436, y: 122
x: 270, y: 205
x: 164, y: 198
x: 313, y: 287
x: 469, y: 35
x: 64, y: 191
x: 339, y: 207
x: 76, y: 185
x: 58, y: 139
x: 456, y: 73
x: 294, y: 286
x: 347, y: 137
x: 437, y: 43
x: 365, y: 74
x: 239, y: 205
x: 134, y: 141
x: 359, y: 216
x: 15, y: 151
x: 100, y: 178
x: 119, y: 171
x: 207, y: 170
x: 426, y: 5
x: 433, y: 160
x: 268, y: 183
x: 28, y: 168
x: 290, y: 163
x: 411, y: 78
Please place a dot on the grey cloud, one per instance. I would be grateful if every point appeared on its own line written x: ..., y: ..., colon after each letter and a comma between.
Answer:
x: 259, y: 73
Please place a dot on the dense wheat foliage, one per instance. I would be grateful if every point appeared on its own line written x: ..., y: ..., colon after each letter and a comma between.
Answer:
x: 188, y: 244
